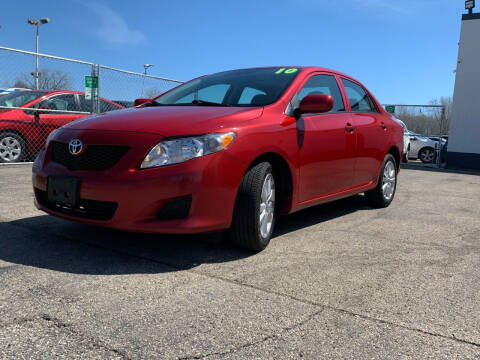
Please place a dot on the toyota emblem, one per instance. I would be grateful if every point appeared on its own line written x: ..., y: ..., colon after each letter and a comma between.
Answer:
x: 75, y: 146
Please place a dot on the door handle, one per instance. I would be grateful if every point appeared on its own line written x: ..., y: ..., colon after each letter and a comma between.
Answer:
x: 384, y: 127
x: 349, y: 127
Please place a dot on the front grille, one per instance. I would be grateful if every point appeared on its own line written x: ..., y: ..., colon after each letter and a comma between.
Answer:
x: 95, y: 157
x: 86, y: 209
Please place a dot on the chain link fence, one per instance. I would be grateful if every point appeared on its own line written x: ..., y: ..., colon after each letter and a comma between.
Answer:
x: 426, y: 130
x: 28, y: 114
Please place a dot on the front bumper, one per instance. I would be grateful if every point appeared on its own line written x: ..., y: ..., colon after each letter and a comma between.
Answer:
x: 210, y: 182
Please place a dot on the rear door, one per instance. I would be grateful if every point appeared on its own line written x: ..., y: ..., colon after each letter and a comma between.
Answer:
x: 326, y: 142
x: 372, y: 133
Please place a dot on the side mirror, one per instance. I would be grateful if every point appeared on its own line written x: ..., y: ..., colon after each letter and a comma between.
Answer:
x: 43, y: 110
x: 315, y: 104
x: 141, y: 101
x: 413, y: 138
x: 36, y: 111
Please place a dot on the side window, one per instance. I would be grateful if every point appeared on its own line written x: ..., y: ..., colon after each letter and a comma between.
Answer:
x: 60, y: 102
x: 215, y: 93
x: 358, y: 97
x: 106, y: 106
x: 85, y: 105
x: 323, y: 84
x: 250, y: 95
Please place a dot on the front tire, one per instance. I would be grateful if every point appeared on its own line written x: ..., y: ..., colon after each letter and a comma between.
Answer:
x: 427, y: 155
x: 405, y: 155
x: 12, y: 148
x: 382, y: 196
x: 254, y: 214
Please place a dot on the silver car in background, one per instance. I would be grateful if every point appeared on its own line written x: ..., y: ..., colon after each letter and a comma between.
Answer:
x: 416, y: 146
x: 406, y: 141
x: 424, y: 147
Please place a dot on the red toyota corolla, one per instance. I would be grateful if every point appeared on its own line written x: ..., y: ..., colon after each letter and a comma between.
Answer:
x: 224, y: 152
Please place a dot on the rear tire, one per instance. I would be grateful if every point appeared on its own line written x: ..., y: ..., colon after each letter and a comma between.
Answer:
x: 12, y: 148
x: 254, y: 214
x: 382, y: 196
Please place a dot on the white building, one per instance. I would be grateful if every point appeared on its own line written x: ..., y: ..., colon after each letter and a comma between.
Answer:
x: 464, y: 134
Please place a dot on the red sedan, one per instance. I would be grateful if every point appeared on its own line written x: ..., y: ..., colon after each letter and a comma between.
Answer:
x: 23, y: 131
x: 224, y: 152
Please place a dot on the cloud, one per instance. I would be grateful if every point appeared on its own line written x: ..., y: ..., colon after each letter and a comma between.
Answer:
x: 393, y: 6
x: 113, y: 28
x: 382, y: 4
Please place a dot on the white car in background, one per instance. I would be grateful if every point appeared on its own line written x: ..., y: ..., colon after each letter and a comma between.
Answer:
x: 424, y: 148
x: 10, y: 90
x: 416, y: 146
x: 406, y: 141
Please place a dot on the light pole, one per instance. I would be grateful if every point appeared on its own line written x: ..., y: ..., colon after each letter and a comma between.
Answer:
x: 470, y: 5
x: 146, y: 67
x: 37, y: 24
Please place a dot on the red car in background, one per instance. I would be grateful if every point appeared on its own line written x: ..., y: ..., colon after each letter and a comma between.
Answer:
x: 224, y: 152
x: 23, y: 132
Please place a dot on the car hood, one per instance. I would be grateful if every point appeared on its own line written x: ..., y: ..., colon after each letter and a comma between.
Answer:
x: 4, y: 111
x: 168, y: 120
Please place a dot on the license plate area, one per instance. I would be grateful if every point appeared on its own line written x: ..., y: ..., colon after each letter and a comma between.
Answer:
x: 63, y: 190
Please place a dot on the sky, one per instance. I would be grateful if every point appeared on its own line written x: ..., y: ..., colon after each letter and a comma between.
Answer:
x: 403, y: 51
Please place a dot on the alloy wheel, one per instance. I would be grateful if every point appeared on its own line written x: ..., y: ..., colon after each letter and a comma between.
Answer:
x: 389, y: 180
x: 10, y: 149
x: 267, y: 206
x: 427, y: 156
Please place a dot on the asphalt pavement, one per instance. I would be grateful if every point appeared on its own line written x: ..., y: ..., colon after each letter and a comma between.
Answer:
x: 338, y: 281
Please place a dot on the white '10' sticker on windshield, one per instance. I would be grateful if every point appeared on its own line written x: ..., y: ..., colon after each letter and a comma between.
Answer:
x: 286, y: 71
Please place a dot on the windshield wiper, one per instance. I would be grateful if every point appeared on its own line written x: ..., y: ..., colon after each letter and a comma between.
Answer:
x: 207, y: 103
x: 194, y: 102
x: 155, y: 103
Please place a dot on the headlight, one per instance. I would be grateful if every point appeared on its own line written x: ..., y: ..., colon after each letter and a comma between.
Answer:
x: 176, y: 151
x: 49, y: 138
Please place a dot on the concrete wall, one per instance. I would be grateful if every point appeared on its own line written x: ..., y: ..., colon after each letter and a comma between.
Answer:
x: 464, y: 139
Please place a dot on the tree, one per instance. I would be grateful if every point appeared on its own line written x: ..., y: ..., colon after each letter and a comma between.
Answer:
x: 427, y: 120
x: 48, y: 80
x: 20, y: 84
x: 447, y: 102
x: 152, y: 93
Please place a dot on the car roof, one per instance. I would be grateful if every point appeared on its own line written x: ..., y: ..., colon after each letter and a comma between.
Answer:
x: 53, y: 92
x: 59, y: 91
x: 303, y: 68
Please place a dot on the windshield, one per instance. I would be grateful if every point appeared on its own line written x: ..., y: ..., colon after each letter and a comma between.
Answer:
x: 19, y: 98
x: 403, y: 125
x: 250, y: 87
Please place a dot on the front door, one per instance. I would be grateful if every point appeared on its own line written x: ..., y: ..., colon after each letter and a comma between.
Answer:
x: 56, y: 111
x: 327, y: 143
x: 59, y: 110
